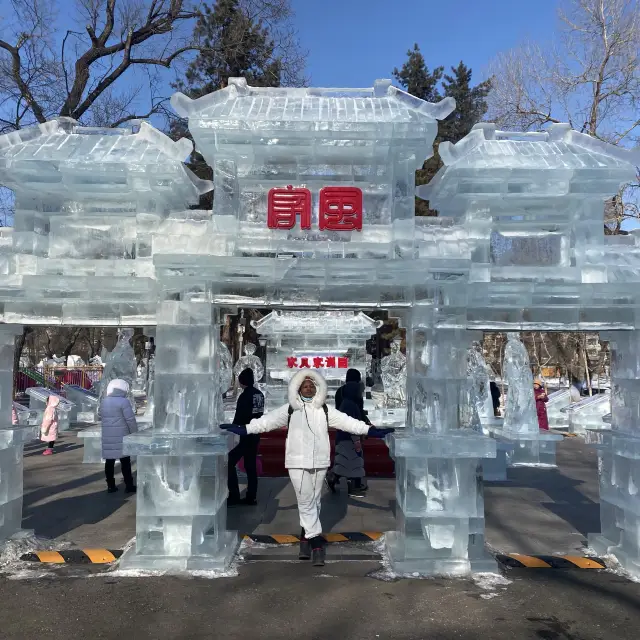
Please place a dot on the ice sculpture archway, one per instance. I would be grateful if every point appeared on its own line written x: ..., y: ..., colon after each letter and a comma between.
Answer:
x: 314, y: 209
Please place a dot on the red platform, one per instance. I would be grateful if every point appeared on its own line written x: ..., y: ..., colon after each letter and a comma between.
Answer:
x: 377, y: 461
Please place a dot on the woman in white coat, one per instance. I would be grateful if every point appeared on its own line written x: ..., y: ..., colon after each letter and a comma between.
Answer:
x: 308, y: 452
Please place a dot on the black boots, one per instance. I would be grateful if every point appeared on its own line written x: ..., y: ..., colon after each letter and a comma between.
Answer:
x: 305, y: 547
x: 317, y: 551
x: 312, y: 548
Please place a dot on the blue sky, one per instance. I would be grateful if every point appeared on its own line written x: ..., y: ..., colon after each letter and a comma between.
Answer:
x: 353, y: 42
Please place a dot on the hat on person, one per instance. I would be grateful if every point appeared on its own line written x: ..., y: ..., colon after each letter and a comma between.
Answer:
x: 353, y: 375
x: 246, y: 377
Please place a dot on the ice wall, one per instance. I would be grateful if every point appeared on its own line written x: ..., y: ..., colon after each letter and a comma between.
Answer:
x: 12, y: 439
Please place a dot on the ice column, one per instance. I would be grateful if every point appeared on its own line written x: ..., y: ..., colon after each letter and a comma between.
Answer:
x: 182, y: 459
x: 439, y: 491
x: 12, y: 439
x: 619, y: 457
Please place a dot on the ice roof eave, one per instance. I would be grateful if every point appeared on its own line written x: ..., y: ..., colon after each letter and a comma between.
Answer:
x: 238, y: 87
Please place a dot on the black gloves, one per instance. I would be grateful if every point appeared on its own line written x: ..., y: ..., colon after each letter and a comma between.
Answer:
x: 374, y: 432
x: 234, y: 428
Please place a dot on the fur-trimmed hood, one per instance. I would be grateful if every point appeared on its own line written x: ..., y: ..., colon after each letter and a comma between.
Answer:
x: 296, y: 382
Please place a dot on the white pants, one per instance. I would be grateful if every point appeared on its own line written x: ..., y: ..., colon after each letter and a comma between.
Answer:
x: 307, y: 483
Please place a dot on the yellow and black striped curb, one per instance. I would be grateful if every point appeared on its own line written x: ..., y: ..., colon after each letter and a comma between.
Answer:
x: 519, y: 561
x: 74, y: 556
x: 350, y: 536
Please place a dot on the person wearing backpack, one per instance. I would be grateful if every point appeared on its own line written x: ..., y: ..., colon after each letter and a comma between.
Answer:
x: 49, y: 425
x: 308, y: 451
x: 250, y: 405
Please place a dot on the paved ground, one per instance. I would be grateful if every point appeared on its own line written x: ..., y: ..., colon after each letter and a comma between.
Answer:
x: 283, y: 601
x: 538, y: 510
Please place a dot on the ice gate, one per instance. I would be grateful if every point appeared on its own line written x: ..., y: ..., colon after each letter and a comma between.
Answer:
x: 314, y: 209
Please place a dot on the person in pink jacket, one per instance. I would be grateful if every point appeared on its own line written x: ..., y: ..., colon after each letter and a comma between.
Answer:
x: 49, y: 426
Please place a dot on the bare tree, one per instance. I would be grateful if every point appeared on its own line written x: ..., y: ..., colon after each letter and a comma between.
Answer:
x: 588, y: 76
x: 78, y: 72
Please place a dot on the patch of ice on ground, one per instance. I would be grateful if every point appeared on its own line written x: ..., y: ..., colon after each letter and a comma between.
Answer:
x: 230, y: 572
x: 489, y: 596
x: 16, y: 569
x: 537, y: 465
x: 489, y: 581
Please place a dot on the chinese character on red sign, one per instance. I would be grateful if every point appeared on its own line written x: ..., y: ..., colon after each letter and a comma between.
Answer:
x: 319, y: 362
x: 283, y: 205
x: 340, y: 209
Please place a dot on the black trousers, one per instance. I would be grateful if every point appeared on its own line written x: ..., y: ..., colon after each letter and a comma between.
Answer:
x: 247, y: 448
x: 125, y: 467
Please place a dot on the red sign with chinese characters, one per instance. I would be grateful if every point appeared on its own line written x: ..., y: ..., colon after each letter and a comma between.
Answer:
x: 340, y: 208
x: 318, y: 362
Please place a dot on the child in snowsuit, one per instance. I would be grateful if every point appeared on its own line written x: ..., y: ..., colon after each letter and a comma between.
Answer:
x: 308, y: 450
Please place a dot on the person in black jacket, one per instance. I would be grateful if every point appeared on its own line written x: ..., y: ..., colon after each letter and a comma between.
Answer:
x: 353, y: 375
x: 250, y: 405
x: 348, y: 459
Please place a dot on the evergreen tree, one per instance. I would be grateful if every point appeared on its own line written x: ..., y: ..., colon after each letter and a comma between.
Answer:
x: 471, y: 105
x: 235, y: 46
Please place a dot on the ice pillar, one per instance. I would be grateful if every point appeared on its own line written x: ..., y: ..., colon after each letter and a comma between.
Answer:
x: 619, y: 458
x: 12, y: 439
x: 182, y: 459
x: 439, y: 489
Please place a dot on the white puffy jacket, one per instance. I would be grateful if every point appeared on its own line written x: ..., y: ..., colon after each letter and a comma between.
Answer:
x: 308, y: 438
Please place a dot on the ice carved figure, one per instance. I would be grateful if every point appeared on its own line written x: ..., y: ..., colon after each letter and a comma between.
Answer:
x: 249, y: 361
x: 121, y: 363
x: 478, y: 372
x: 520, y: 412
x: 226, y: 368
x: 394, y: 377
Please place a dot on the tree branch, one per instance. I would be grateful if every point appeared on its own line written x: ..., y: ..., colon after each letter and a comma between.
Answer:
x: 16, y: 68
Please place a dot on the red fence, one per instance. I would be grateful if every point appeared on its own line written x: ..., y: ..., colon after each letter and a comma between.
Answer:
x: 55, y: 377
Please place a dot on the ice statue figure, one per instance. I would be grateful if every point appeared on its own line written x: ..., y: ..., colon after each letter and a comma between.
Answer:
x: 226, y: 368
x: 121, y: 363
x: 249, y: 361
x: 520, y: 413
x: 478, y: 371
x: 150, y: 386
x: 394, y: 377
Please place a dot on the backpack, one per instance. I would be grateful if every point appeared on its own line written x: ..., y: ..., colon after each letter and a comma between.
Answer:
x: 324, y: 408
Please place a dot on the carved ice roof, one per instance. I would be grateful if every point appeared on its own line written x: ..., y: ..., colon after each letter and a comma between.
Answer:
x: 38, y: 156
x: 485, y: 153
x: 308, y: 322
x: 382, y: 103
